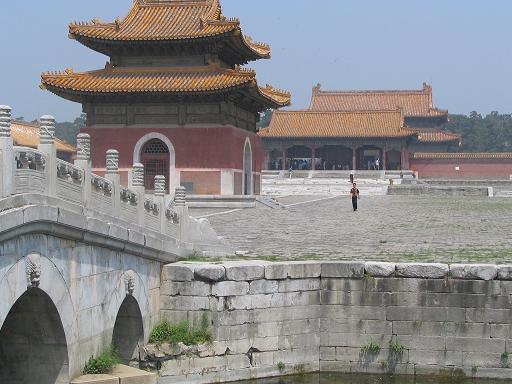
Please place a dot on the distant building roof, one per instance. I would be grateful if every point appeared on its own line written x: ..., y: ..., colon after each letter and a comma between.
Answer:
x: 414, y: 103
x: 462, y: 155
x: 27, y: 135
x: 309, y: 124
x: 428, y: 135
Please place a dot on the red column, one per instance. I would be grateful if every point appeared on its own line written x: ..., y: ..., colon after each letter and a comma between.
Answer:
x: 384, y: 157
x: 353, y: 157
x: 283, y: 165
x: 313, y: 157
x: 402, y: 160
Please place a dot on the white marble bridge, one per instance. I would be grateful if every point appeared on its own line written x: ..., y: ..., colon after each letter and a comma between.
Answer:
x: 81, y: 257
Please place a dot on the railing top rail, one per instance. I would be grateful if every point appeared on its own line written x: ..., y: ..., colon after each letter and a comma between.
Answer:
x: 18, y: 149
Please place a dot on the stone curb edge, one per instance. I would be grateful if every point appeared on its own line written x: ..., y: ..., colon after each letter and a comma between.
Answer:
x: 257, y: 270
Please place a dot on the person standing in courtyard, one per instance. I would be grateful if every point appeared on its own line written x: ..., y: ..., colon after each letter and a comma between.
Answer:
x: 354, y: 194
x: 352, y: 177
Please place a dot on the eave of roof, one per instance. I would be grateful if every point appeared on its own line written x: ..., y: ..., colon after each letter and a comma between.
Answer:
x: 437, y: 136
x: 166, y: 80
x: 361, y: 124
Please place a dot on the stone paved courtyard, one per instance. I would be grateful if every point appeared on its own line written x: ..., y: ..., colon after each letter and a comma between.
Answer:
x: 429, y: 229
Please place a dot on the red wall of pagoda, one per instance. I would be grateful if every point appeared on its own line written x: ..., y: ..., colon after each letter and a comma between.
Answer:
x: 200, y: 153
x: 194, y: 147
x: 205, y: 182
x: 468, y: 169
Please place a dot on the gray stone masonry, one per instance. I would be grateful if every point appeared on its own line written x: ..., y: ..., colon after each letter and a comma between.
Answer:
x: 311, y: 316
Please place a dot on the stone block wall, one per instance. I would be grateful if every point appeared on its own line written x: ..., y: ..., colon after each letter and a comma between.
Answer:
x: 341, y: 316
x: 261, y: 314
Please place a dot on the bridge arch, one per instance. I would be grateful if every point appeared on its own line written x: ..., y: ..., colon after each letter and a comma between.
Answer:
x: 128, y: 332
x: 35, y: 301
x: 129, y: 317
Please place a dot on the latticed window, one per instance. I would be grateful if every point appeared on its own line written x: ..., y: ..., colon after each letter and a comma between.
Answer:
x: 156, y: 146
x: 155, y: 158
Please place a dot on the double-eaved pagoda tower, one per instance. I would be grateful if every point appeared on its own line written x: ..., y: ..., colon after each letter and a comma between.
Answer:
x: 173, y: 95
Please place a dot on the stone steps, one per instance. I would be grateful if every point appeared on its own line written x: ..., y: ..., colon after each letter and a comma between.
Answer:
x: 270, y: 203
x: 326, y: 191
x: 121, y: 374
x: 325, y: 187
x: 323, y: 182
x: 344, y: 175
x: 503, y: 194
x: 217, y: 201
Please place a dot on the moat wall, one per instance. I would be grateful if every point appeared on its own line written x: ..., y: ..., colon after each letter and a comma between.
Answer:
x: 271, y: 319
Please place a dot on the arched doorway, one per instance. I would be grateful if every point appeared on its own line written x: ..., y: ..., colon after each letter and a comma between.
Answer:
x: 247, y: 179
x: 299, y: 157
x: 334, y: 157
x: 275, y: 161
x: 155, y: 158
x: 366, y: 157
x: 128, y: 333
x: 33, y: 348
x: 393, y: 160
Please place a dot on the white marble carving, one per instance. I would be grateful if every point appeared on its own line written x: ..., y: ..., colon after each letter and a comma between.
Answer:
x: 33, y: 268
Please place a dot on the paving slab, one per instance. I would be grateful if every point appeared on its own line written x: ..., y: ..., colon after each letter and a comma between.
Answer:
x: 385, y: 228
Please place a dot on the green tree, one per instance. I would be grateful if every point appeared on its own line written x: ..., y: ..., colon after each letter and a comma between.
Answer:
x: 492, y: 133
x: 69, y: 130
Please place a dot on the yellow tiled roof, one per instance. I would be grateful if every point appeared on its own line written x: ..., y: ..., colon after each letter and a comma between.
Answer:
x: 414, y: 103
x: 462, y: 155
x: 27, y: 135
x: 437, y: 136
x: 164, y: 20
x: 336, y: 124
x: 206, y: 79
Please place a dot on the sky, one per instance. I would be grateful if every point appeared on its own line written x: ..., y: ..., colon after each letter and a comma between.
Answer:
x: 463, y: 48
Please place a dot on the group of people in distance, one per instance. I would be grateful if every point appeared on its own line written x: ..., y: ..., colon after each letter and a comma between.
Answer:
x: 354, y: 192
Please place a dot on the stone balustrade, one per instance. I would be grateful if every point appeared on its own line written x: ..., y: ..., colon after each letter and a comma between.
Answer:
x: 38, y: 171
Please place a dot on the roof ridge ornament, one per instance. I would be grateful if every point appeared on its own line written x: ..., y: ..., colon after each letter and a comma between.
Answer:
x: 276, y: 91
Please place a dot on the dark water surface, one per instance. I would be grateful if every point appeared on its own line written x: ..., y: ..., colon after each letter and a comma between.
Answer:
x: 331, y: 378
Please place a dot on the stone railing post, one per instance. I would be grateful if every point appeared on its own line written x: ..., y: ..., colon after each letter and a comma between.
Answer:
x: 47, y: 145
x: 160, y: 199
x: 180, y: 204
x: 137, y: 186
x: 112, y: 174
x: 7, y: 166
x: 83, y: 160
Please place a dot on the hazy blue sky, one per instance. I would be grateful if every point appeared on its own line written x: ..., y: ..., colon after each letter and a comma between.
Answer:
x: 462, y: 47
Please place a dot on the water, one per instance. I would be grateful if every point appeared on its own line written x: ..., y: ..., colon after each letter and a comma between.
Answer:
x: 331, y: 378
